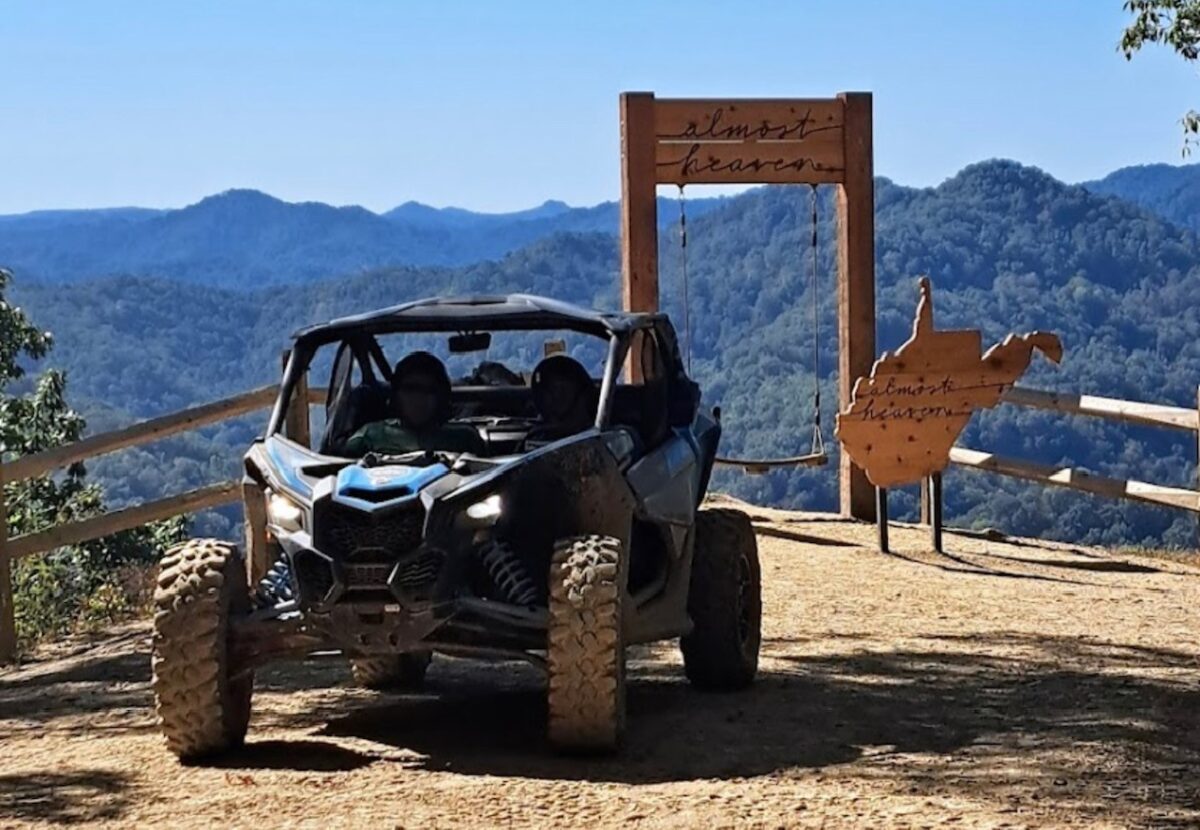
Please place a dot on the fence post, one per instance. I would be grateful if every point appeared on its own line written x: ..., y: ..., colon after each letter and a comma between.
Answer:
x: 8, y: 622
x: 1198, y: 464
x: 296, y: 423
x: 255, y: 521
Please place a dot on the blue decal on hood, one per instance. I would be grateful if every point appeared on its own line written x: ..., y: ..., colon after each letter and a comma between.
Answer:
x: 285, y: 462
x: 369, y: 488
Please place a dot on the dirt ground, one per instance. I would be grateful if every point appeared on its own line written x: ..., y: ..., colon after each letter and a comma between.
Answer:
x: 1005, y: 684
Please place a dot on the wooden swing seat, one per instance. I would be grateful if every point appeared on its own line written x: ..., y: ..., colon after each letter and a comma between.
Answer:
x: 760, y: 466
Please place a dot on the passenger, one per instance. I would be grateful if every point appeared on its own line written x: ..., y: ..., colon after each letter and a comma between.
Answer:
x: 420, y: 403
x: 565, y: 397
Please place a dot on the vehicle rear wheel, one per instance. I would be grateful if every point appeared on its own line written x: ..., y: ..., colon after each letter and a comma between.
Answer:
x: 202, y: 708
x: 394, y: 673
x: 724, y: 602
x: 585, y: 651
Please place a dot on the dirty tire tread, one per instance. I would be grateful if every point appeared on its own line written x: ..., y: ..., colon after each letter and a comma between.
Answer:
x: 715, y: 655
x: 585, y: 652
x: 398, y: 672
x: 201, y: 583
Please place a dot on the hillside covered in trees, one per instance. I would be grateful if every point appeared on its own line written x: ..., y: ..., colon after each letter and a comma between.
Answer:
x: 243, y: 239
x: 1171, y: 192
x: 1008, y: 248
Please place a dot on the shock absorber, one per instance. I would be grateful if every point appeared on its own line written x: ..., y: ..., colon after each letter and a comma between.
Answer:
x: 507, y: 574
x: 276, y: 586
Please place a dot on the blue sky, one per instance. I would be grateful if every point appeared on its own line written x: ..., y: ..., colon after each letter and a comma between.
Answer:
x: 501, y: 105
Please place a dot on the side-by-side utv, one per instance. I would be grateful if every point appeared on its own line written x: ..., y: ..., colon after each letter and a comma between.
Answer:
x: 561, y: 546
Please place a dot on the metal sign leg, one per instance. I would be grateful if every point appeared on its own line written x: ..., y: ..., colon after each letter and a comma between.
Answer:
x: 935, y: 511
x: 881, y: 516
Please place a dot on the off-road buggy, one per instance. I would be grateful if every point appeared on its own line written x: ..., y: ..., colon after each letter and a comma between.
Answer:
x: 559, y: 549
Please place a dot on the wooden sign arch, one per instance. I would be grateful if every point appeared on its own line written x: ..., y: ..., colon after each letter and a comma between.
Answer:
x: 685, y: 141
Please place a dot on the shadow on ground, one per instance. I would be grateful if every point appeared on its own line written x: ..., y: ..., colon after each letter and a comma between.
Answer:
x: 63, y: 798
x: 1100, y: 728
x: 296, y: 755
x: 83, y: 693
x: 1075, y: 721
x: 1106, y: 730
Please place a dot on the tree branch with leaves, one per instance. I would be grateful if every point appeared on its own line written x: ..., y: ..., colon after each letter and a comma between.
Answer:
x: 1174, y: 24
x: 54, y: 592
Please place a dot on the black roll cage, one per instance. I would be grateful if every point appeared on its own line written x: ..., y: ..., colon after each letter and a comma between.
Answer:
x: 303, y: 352
x: 512, y: 312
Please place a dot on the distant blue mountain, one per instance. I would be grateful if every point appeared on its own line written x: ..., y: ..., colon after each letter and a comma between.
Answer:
x: 417, y: 214
x: 1170, y: 191
x: 244, y: 239
x: 53, y: 218
x: 1009, y: 248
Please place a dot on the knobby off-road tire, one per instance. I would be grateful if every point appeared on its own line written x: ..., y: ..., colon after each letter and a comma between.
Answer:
x: 398, y: 672
x: 201, y: 710
x: 585, y: 651
x: 724, y: 602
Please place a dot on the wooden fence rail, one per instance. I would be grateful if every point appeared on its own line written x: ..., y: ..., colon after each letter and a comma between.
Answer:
x: 1077, y: 479
x: 1113, y: 409
x: 155, y: 429
x: 143, y: 432
x: 113, y: 521
x: 126, y: 518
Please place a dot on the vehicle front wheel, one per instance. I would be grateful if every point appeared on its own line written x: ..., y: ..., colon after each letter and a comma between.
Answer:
x: 400, y: 672
x: 724, y: 602
x: 202, y: 706
x: 585, y: 652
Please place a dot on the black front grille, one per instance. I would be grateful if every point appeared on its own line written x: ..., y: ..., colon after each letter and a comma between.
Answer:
x: 380, y: 555
x: 314, y: 575
x: 415, y: 575
x: 357, y: 536
x: 368, y: 575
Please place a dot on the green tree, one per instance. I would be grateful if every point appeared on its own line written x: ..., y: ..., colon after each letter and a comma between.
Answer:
x: 1172, y: 23
x: 53, y: 592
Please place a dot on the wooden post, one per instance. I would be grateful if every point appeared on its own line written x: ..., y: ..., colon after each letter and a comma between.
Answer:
x: 1198, y: 460
x: 8, y: 620
x: 881, y: 518
x: 925, y: 518
x: 856, y: 282
x: 296, y: 425
x: 254, y: 520
x: 639, y: 210
x: 759, y: 141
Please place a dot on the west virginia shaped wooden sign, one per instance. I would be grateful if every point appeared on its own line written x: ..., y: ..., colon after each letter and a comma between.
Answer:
x: 904, y: 418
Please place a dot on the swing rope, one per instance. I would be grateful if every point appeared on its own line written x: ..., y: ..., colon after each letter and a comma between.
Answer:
x: 683, y: 265
x: 816, y: 456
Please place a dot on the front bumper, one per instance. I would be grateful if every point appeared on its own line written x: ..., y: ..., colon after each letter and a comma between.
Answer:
x: 403, y: 609
x: 414, y: 579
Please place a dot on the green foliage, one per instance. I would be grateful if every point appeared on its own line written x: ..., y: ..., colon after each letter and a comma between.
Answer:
x: 1172, y: 23
x: 1172, y: 192
x: 1008, y: 248
x: 52, y: 592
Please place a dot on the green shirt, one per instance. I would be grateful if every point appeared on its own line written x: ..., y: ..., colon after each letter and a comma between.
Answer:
x: 391, y: 438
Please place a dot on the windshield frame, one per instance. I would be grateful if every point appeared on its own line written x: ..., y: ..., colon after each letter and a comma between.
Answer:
x: 304, y: 350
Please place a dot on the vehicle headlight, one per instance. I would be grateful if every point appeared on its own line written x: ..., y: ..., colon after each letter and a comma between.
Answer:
x: 487, y: 510
x: 283, y: 512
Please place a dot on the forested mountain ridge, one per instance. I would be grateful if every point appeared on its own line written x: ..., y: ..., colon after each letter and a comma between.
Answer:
x: 1170, y: 191
x: 245, y: 239
x: 1008, y: 248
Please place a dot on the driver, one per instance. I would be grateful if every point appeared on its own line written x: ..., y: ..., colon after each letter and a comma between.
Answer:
x: 420, y: 405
